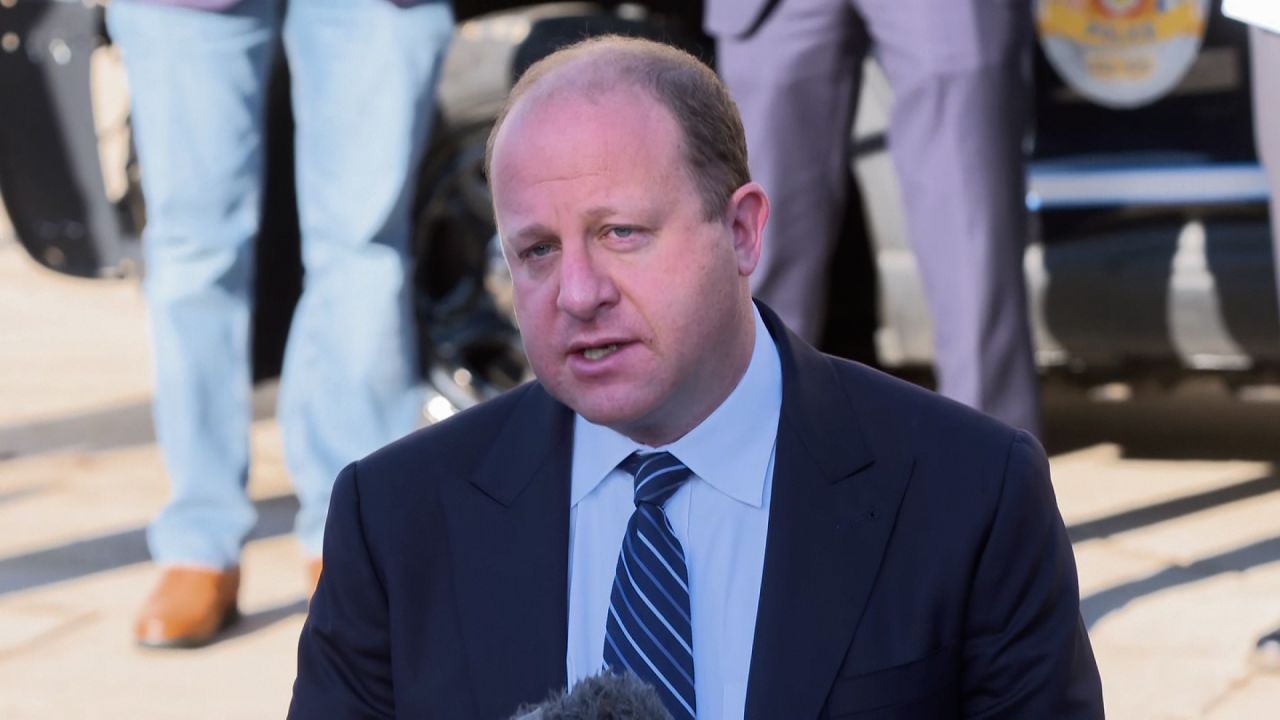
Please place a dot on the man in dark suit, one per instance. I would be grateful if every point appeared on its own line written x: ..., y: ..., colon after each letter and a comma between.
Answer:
x: 957, y: 69
x: 688, y: 492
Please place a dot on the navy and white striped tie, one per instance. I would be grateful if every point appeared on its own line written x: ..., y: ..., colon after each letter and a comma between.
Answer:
x: 648, y: 631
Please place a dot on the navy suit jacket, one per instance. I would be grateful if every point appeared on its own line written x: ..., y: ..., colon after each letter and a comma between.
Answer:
x: 916, y: 564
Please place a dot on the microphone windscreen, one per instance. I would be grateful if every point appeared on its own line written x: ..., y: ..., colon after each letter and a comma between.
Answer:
x: 607, y: 696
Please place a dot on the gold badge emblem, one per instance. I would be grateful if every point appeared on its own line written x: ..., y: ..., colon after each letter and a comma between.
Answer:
x: 1121, y: 53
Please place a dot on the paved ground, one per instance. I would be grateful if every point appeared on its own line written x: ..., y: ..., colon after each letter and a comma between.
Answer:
x: 1174, y: 504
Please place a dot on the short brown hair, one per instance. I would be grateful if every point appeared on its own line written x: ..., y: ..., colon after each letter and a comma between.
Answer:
x: 715, y: 147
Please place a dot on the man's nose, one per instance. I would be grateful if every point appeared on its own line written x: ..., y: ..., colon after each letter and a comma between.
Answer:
x: 585, y: 285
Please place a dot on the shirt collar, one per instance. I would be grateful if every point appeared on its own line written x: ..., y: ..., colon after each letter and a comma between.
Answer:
x: 730, y: 450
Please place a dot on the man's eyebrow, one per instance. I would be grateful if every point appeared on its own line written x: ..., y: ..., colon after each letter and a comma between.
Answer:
x: 534, y: 232
x: 599, y: 212
x: 538, y: 231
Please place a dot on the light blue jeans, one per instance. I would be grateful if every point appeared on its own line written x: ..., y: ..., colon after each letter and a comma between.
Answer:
x: 363, y: 77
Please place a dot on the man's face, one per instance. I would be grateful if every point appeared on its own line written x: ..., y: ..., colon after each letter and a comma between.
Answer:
x: 633, y: 307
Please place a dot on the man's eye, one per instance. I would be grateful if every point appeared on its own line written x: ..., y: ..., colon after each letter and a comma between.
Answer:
x: 622, y: 232
x: 537, y: 251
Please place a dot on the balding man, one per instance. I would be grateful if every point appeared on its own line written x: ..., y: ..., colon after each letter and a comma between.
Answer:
x: 688, y: 492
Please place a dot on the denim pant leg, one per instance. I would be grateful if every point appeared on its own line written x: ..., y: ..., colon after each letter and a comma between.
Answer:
x: 197, y: 82
x: 363, y: 76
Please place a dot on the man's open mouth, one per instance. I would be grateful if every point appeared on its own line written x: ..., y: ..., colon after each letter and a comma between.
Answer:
x: 595, y: 353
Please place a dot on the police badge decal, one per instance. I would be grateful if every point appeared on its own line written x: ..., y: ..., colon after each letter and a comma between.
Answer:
x: 1121, y: 53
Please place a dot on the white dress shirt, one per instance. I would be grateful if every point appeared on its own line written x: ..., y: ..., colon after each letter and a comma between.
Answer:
x: 720, y: 516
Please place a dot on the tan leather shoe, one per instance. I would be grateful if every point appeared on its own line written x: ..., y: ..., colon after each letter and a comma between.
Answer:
x: 314, y: 566
x: 188, y: 607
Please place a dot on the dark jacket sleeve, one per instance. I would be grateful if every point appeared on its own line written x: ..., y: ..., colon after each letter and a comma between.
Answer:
x: 1027, y: 654
x: 344, y: 653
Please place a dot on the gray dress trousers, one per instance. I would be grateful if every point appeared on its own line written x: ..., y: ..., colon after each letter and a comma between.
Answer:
x: 957, y: 68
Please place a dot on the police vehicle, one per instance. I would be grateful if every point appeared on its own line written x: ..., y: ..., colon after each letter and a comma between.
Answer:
x: 1150, y: 251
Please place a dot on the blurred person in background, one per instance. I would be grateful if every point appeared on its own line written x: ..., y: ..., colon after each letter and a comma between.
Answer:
x: 363, y: 74
x: 1263, y: 17
x: 958, y: 71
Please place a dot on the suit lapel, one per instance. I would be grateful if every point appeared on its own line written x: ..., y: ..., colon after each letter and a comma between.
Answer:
x: 830, y: 517
x: 509, y: 537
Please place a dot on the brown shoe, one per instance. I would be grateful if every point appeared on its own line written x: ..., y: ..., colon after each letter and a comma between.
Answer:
x: 188, y: 607
x: 314, y: 566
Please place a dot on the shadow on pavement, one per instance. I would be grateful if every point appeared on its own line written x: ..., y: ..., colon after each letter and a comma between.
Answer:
x: 1171, y: 509
x: 253, y: 622
x: 1198, y: 425
x: 104, y: 429
x: 109, y: 552
x: 1202, y: 424
x: 1100, y: 604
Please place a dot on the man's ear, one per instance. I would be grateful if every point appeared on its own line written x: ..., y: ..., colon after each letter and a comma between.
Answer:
x: 747, y: 213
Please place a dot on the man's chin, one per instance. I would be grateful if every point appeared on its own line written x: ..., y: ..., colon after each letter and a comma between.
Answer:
x: 611, y: 417
x: 622, y: 417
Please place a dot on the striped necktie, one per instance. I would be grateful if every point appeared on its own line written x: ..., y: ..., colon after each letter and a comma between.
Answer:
x: 648, y: 631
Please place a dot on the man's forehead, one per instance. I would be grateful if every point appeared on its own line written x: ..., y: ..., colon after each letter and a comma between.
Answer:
x: 617, y: 119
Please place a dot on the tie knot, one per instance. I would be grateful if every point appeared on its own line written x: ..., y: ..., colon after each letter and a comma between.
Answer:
x: 657, y: 476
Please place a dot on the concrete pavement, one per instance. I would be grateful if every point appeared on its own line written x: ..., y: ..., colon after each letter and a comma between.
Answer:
x: 1174, y: 506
